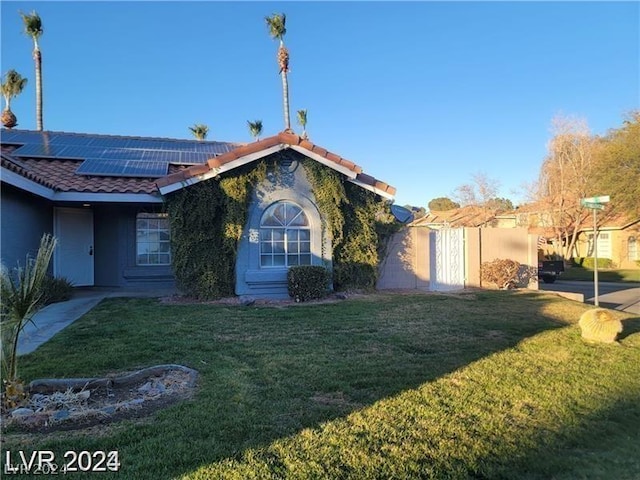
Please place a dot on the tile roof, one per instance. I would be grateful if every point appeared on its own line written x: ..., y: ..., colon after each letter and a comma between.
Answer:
x: 469, y: 216
x: 282, y: 139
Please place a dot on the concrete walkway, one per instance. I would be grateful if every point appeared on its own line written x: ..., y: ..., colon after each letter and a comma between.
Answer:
x: 55, y: 317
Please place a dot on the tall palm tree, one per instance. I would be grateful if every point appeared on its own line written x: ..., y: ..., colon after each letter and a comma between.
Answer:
x: 199, y: 131
x: 33, y: 28
x: 255, y: 128
x: 277, y: 30
x: 12, y: 86
x: 302, y: 121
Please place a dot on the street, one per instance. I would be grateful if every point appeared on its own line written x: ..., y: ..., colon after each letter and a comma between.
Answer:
x: 621, y: 296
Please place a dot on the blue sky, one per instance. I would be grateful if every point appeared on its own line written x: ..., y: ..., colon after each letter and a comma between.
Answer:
x: 422, y: 95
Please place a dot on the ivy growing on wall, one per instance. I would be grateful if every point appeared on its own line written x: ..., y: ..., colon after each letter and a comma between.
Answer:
x: 207, y: 220
x: 206, y: 224
x: 360, y: 223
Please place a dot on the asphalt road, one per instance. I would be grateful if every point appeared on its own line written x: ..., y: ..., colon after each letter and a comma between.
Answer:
x: 621, y: 296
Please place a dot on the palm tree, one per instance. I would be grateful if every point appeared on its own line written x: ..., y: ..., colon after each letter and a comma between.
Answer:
x: 255, y: 128
x: 21, y: 295
x: 33, y: 28
x: 199, y: 131
x: 12, y: 86
x: 277, y: 30
x: 302, y: 121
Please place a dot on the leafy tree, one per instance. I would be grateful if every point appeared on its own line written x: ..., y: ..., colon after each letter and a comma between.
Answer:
x: 302, y: 121
x: 499, y: 204
x: 277, y: 29
x: 418, y: 212
x: 199, y: 131
x: 12, y: 86
x: 617, y: 170
x: 442, y: 204
x: 21, y: 295
x: 33, y: 28
x: 255, y: 128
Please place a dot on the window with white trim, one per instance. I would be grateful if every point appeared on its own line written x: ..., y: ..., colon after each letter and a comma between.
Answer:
x: 285, y: 236
x: 152, y: 239
x: 632, y: 249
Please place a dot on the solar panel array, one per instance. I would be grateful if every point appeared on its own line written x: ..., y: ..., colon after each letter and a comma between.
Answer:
x: 114, y: 156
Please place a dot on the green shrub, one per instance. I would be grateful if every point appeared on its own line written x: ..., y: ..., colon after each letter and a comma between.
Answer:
x: 56, y: 290
x: 589, y: 262
x: 307, y: 282
x: 501, y: 272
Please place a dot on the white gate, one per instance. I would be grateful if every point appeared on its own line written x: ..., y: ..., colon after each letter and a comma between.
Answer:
x: 447, y: 259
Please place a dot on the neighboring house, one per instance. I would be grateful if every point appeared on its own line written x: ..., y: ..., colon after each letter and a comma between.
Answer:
x: 102, y: 196
x: 618, y: 240
x: 469, y: 216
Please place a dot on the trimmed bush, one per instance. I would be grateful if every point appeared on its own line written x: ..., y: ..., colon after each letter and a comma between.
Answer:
x: 307, y: 282
x: 501, y: 272
x: 589, y: 262
x: 56, y: 290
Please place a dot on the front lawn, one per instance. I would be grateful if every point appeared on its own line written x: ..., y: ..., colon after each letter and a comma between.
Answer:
x: 604, y: 275
x: 478, y: 385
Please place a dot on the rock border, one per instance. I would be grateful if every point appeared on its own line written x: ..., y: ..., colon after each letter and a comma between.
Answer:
x: 51, y: 385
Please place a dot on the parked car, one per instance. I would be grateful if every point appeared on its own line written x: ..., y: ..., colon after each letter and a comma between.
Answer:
x: 549, y: 270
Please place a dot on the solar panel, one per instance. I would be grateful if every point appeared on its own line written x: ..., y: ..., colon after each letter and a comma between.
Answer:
x: 122, y: 168
x: 39, y: 150
x: 112, y: 155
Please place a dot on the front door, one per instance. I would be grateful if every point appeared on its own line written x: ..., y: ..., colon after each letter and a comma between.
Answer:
x: 73, y: 258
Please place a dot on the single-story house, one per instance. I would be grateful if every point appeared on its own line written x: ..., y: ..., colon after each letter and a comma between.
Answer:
x: 618, y: 240
x: 103, y: 198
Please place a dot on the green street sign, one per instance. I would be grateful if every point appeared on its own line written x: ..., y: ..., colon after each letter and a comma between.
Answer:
x: 600, y: 199
x: 593, y: 205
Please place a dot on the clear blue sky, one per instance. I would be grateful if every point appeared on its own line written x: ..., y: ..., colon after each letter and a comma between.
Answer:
x: 422, y: 95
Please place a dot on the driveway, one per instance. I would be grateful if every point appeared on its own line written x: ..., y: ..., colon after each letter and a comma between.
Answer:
x: 624, y: 296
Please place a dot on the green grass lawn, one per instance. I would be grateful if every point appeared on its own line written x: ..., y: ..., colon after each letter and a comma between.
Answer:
x: 479, y: 385
x: 604, y: 275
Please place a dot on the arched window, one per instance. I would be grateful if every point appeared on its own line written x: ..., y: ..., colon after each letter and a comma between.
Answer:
x: 285, y: 236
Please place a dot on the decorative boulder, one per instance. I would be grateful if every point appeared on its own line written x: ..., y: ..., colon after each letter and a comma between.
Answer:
x: 599, y: 325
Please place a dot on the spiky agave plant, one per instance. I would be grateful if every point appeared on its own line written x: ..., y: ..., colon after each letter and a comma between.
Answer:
x: 255, y: 128
x: 33, y: 28
x: 199, y: 131
x: 302, y: 121
x: 20, y: 297
x: 12, y: 86
x: 277, y: 29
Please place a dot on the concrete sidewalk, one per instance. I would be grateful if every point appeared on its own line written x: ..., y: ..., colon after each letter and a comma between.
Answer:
x: 55, y: 317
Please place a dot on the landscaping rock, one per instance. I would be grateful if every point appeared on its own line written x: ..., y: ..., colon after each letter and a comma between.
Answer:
x: 22, y: 412
x: 247, y: 301
x: 61, y: 415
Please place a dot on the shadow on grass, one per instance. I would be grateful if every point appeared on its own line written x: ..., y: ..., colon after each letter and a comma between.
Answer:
x: 629, y: 327
x: 267, y: 373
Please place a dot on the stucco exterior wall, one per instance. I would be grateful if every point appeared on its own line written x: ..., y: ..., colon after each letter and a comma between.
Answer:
x: 24, y: 218
x: 290, y: 184
x: 115, y: 250
x: 406, y: 265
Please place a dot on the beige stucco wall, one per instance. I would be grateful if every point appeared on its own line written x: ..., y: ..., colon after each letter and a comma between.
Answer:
x: 406, y: 265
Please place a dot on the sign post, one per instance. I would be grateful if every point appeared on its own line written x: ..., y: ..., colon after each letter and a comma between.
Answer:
x: 595, y: 204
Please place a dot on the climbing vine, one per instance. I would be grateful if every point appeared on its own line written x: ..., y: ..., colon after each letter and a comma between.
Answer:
x: 360, y: 223
x: 206, y: 225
